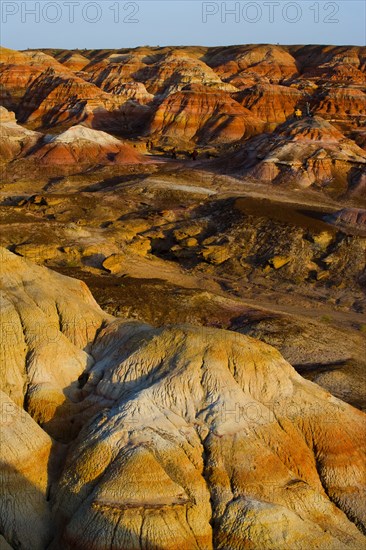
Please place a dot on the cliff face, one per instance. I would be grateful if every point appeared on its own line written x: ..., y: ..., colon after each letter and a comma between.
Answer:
x: 197, y: 438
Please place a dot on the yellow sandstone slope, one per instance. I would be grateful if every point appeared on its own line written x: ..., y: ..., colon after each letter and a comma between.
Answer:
x: 190, y: 438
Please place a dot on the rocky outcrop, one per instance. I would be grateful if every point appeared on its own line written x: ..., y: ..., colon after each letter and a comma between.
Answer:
x: 271, y: 102
x: 25, y: 467
x: 240, y: 64
x: 44, y: 338
x: 197, y: 438
x: 15, y: 140
x: 204, y: 402
x: 55, y: 99
x: 111, y: 70
x: 135, y: 91
x: 335, y: 64
x: 345, y: 106
x: 178, y: 69
x: 202, y: 115
x: 6, y: 116
x: 354, y: 217
x: 44, y: 93
x: 73, y: 61
x: 19, y: 71
x: 303, y: 153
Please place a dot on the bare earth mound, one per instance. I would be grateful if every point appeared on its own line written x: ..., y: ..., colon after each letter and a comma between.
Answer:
x: 82, y: 145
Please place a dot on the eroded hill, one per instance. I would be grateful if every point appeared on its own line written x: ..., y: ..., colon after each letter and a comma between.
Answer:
x: 235, y: 102
x: 204, y: 438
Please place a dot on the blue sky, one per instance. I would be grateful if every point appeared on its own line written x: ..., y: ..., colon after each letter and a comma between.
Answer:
x: 119, y: 23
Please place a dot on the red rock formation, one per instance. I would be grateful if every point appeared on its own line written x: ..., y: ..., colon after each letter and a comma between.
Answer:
x: 18, y: 71
x: 164, y: 72
x: 117, y: 77
x: 113, y: 70
x: 335, y: 64
x: 44, y: 93
x: 303, y: 153
x: 177, y: 69
x: 81, y: 145
x: 73, y: 61
x: 266, y: 63
x: 54, y: 99
x: 271, y: 102
x: 16, y: 74
x: 345, y: 106
x: 203, y: 115
x: 200, y: 94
